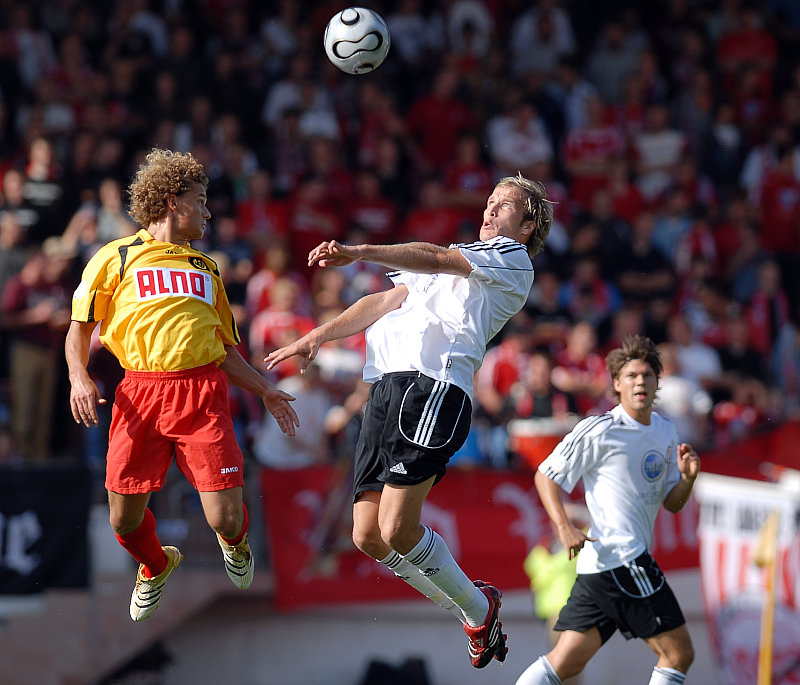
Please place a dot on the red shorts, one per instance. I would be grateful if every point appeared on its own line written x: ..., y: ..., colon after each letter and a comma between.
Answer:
x: 184, y: 414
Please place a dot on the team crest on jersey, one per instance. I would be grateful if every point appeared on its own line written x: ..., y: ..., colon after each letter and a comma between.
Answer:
x: 653, y: 465
x: 158, y: 282
x: 198, y: 263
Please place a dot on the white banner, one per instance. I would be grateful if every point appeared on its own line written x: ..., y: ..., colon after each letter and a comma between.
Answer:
x: 732, y: 514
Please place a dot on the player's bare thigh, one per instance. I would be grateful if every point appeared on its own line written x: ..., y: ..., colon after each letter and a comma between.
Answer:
x: 400, y: 512
x: 366, y: 533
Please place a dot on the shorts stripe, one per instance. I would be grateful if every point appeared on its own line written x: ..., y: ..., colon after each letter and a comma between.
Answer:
x: 430, y: 413
x: 641, y: 579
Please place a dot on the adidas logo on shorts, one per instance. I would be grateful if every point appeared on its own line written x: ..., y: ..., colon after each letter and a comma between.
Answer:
x: 399, y: 468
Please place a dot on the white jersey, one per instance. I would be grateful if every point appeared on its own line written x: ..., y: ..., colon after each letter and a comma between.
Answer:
x: 628, y: 469
x: 443, y: 326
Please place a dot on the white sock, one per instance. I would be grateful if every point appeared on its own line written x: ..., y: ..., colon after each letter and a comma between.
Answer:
x: 411, y: 575
x: 540, y: 672
x: 666, y: 676
x: 434, y: 561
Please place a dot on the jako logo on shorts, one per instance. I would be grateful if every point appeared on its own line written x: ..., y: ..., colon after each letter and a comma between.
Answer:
x: 653, y: 465
x: 158, y: 282
x: 229, y: 469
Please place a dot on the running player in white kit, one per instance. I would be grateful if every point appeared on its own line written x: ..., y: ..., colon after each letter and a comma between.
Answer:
x: 631, y: 463
x: 426, y: 338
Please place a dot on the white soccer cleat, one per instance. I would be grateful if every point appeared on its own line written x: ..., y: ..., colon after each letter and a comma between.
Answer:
x: 238, y: 562
x: 147, y: 592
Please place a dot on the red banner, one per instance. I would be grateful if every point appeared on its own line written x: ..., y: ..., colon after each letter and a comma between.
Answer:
x: 733, y: 513
x: 490, y: 520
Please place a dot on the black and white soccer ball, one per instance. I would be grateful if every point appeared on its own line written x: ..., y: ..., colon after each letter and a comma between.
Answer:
x: 357, y: 40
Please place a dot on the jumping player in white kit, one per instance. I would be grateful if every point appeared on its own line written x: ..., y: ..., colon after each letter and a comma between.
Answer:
x: 426, y: 338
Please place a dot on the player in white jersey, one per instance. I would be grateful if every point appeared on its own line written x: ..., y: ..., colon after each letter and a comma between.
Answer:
x: 631, y: 463
x: 426, y: 337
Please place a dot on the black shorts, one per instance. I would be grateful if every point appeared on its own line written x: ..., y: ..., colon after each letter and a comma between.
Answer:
x: 412, y: 426
x: 634, y: 597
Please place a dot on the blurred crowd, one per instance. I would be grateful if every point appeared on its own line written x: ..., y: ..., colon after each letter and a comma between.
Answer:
x: 667, y: 132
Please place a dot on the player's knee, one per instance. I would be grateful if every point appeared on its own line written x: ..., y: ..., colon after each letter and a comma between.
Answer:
x: 226, y: 524
x: 679, y: 655
x: 368, y: 541
x: 685, y: 658
x: 401, y: 539
x: 122, y: 524
x: 569, y: 667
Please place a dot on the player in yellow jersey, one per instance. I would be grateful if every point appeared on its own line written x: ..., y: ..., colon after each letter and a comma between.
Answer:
x: 164, y: 314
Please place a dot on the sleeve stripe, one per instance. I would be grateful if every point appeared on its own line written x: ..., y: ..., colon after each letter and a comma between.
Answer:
x: 577, y: 436
x: 502, y: 248
x: 235, y: 329
x: 90, y: 315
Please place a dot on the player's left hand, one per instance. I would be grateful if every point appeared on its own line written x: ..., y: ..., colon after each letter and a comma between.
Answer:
x: 688, y: 461
x: 330, y: 253
x: 277, y: 403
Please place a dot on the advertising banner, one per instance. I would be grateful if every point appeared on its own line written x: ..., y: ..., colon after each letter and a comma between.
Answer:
x: 490, y: 520
x: 733, y: 512
x: 44, y: 517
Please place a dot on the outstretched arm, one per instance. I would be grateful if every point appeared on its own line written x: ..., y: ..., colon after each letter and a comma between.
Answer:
x: 356, y: 318
x: 276, y: 401
x: 689, y: 466
x: 571, y: 537
x: 83, y: 394
x: 424, y: 258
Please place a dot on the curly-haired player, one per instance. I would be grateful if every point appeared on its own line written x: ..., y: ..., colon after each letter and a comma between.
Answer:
x: 164, y: 314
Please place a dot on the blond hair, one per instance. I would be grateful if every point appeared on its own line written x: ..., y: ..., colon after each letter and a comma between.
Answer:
x: 537, y: 209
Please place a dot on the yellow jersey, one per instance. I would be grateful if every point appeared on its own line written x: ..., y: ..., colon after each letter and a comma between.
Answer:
x: 162, y: 306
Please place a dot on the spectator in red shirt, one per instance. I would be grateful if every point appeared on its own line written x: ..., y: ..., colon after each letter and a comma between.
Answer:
x: 371, y: 210
x: 780, y: 207
x: 768, y: 310
x: 590, y: 151
x: 377, y: 118
x: 35, y: 311
x: 534, y: 395
x: 627, y: 201
x: 468, y: 178
x: 755, y: 108
x: 504, y: 365
x: 437, y: 119
x: 277, y: 261
x: 326, y: 162
x: 434, y: 220
x: 260, y: 218
x: 746, y: 44
x: 587, y: 294
x: 312, y: 220
x: 279, y: 324
x: 580, y: 370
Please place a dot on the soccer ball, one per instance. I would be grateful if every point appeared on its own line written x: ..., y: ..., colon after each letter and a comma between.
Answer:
x: 357, y: 40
